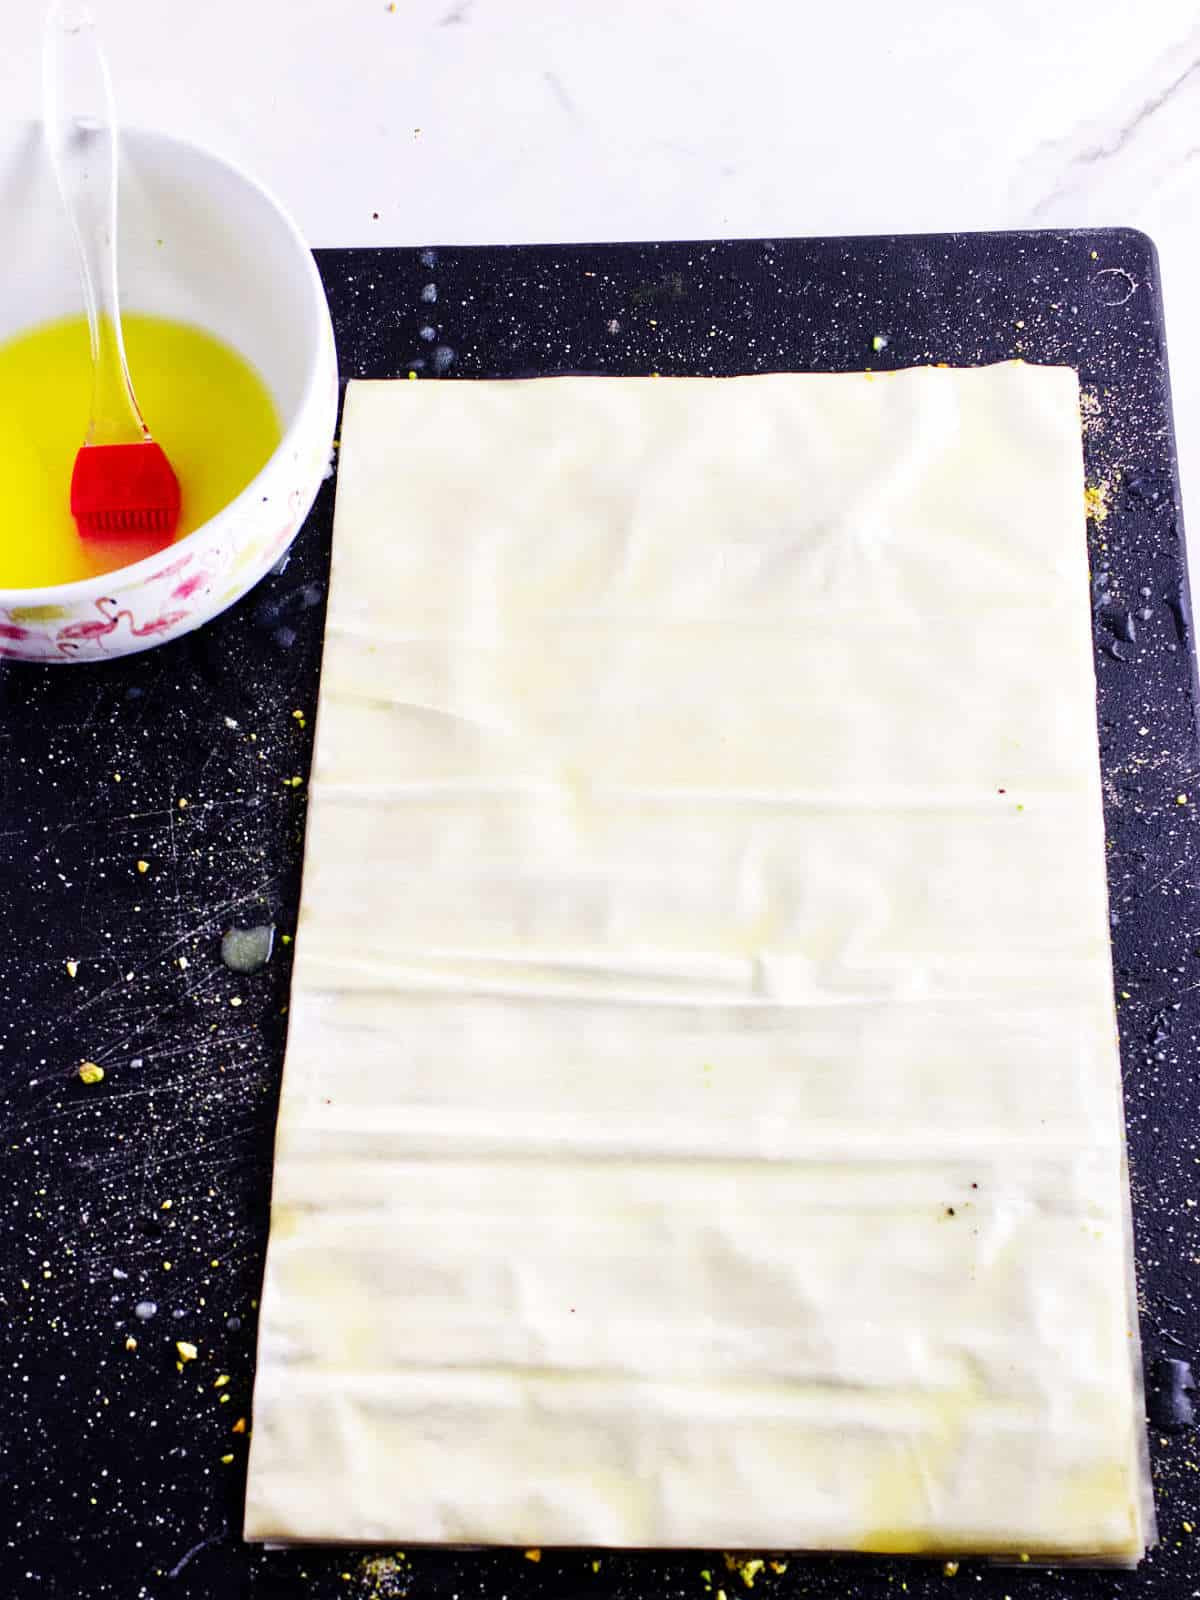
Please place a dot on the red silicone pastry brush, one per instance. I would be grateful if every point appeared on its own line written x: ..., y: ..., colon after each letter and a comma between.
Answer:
x: 123, y: 483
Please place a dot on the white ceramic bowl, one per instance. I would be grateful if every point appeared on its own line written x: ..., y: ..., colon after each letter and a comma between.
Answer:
x: 203, y: 243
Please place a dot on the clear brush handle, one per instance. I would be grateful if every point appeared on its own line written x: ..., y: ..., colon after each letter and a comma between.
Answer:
x: 81, y: 133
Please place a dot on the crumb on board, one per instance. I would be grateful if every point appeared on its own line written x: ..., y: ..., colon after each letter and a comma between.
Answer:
x: 533, y: 1555
x: 384, y: 1574
x: 1095, y: 501
x: 746, y: 1567
x: 91, y: 1072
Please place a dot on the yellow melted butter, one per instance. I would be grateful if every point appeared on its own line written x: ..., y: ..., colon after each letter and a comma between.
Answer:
x: 203, y: 402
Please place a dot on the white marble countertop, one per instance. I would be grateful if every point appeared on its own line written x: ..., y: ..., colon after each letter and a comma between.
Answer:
x: 490, y: 121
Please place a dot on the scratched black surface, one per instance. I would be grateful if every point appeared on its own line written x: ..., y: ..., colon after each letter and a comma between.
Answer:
x: 113, y: 1477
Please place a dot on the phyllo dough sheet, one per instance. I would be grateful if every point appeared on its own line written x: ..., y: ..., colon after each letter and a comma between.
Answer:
x: 701, y: 1122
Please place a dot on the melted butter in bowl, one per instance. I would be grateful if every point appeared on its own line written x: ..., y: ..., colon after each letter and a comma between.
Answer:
x: 210, y: 252
x: 207, y: 406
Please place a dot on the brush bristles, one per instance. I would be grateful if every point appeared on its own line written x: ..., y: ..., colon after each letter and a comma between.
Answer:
x: 140, y: 521
x: 124, y: 491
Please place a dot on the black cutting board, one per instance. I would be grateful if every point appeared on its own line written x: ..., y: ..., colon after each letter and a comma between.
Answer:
x: 111, y: 1464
